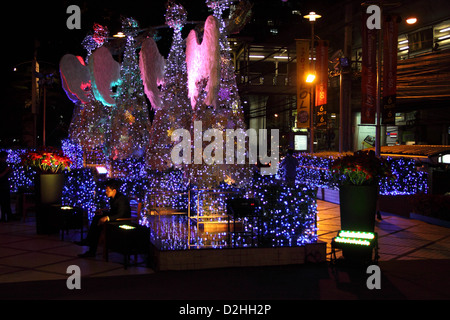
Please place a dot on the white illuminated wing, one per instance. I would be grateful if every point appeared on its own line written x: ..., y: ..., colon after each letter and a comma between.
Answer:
x: 105, y: 73
x: 151, y: 64
x: 203, y: 62
x: 75, y: 78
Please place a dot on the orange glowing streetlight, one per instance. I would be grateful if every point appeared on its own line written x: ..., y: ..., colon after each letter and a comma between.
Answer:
x: 411, y: 20
x: 312, y: 16
x: 310, y: 78
x: 119, y: 34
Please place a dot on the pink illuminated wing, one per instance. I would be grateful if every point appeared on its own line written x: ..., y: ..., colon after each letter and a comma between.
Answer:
x: 105, y: 73
x: 203, y: 61
x: 193, y: 66
x: 211, y: 54
x: 151, y: 64
x: 75, y: 78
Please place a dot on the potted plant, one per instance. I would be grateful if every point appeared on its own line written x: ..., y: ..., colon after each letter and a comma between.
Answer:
x: 358, y: 177
x: 49, y: 164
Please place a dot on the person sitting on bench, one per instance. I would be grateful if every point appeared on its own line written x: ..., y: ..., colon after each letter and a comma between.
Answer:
x: 119, y: 208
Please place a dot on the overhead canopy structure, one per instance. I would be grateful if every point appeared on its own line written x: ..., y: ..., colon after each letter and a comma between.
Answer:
x: 424, y: 79
x: 424, y: 153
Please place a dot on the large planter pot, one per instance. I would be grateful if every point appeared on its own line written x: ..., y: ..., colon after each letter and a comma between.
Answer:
x: 50, y: 188
x: 358, y: 205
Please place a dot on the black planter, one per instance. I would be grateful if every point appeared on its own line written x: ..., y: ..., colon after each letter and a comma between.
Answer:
x: 49, y: 188
x: 358, y: 206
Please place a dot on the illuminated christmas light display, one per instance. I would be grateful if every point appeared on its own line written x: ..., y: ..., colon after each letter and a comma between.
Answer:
x: 20, y: 178
x: 96, y: 39
x: 288, y: 213
x: 130, y: 122
x: 139, y: 153
x: 315, y: 171
x: 90, y: 125
x: 224, y: 112
x: 228, y: 97
x: 408, y: 179
x: 81, y: 190
x: 175, y: 112
x: 121, y: 128
x: 285, y: 217
x: 74, y: 152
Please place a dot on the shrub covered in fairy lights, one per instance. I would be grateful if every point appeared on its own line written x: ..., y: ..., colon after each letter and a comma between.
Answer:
x: 408, y: 178
x: 288, y: 213
x: 20, y: 178
x: 315, y: 171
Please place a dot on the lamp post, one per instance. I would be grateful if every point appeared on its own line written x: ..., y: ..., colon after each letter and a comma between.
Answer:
x: 310, y: 79
x: 312, y: 17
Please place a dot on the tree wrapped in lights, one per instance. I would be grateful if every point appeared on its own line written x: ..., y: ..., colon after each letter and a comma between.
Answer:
x: 122, y: 127
x: 175, y: 112
x: 225, y: 113
x: 200, y: 173
x: 74, y: 152
x: 229, y: 104
x: 215, y: 102
x: 90, y: 125
x: 130, y: 124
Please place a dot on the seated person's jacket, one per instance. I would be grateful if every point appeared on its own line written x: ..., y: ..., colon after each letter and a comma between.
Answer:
x: 119, y: 207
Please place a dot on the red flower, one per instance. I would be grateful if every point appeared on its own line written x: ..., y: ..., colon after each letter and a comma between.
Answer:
x: 360, y: 168
x: 46, y: 160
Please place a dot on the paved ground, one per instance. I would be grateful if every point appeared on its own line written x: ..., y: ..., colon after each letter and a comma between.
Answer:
x: 414, y: 264
x: 400, y: 238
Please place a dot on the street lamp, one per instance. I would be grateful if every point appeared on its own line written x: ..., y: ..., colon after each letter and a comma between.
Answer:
x: 119, y: 34
x: 310, y: 78
x: 312, y: 17
x: 411, y: 20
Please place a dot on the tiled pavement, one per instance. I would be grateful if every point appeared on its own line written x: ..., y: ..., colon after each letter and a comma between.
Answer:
x: 27, y: 256
x: 399, y: 238
x: 414, y: 257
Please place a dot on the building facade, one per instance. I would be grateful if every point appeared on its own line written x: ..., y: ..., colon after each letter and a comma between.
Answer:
x: 267, y: 79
